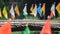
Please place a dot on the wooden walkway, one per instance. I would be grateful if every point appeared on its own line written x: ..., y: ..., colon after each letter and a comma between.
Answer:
x: 54, y: 24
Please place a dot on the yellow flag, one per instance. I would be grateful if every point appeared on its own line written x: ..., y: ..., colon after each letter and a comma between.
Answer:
x: 0, y: 14
x: 17, y: 10
x: 43, y: 9
x: 35, y: 10
x: 31, y: 9
x: 58, y: 8
x: 5, y: 12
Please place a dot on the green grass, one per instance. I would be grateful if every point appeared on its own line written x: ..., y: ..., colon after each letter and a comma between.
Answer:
x: 36, y: 18
x: 31, y: 18
x: 21, y: 32
x: 32, y: 32
x: 56, y: 19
